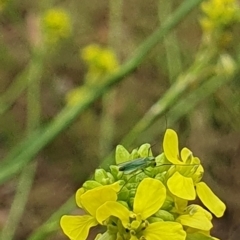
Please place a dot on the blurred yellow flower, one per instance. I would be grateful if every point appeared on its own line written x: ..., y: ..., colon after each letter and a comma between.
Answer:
x: 100, y: 61
x: 3, y: 3
x: 219, y: 16
x: 56, y: 25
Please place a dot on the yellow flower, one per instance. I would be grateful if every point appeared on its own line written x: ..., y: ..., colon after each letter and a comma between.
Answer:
x: 149, y: 198
x: 184, y: 187
x: 78, y: 94
x: 56, y: 25
x: 99, y: 58
x: 77, y: 227
x: 100, y: 61
x: 196, y: 217
x: 219, y: 16
x: 182, y: 178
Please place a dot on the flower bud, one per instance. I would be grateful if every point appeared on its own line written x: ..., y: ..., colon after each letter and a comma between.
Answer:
x: 154, y: 219
x: 90, y: 184
x: 100, y: 174
x: 168, y: 204
x: 164, y: 215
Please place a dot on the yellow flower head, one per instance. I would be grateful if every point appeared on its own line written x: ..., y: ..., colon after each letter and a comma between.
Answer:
x: 100, y: 61
x: 77, y: 227
x: 137, y: 201
x: 149, y: 198
x: 219, y: 16
x: 56, y: 25
x: 186, y: 184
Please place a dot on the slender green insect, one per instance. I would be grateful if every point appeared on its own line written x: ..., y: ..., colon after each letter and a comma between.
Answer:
x: 137, y: 164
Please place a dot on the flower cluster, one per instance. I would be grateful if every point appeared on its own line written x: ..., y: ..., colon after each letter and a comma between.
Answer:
x: 100, y: 62
x: 56, y: 25
x: 147, y: 198
x: 219, y: 17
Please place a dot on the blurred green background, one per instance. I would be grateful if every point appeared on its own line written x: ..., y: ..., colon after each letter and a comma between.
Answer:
x: 186, y: 79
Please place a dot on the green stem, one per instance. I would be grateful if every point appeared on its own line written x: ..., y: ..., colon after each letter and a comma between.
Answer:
x: 18, y: 85
x: 27, y: 175
x: 108, y: 102
x: 25, y: 151
x: 184, y: 82
x: 171, y: 45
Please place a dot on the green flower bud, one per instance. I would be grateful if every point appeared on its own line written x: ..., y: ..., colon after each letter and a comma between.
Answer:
x: 145, y: 150
x: 122, y: 154
x: 161, y: 177
x: 114, y: 169
x: 100, y: 174
x: 90, y: 184
x: 123, y: 194
x: 134, y: 154
x: 165, y: 215
x: 154, y: 219
x: 132, y: 192
x: 111, y: 178
x: 168, y: 204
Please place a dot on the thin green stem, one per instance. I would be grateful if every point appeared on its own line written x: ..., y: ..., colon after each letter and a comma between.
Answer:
x: 17, y: 87
x: 171, y: 45
x: 25, y: 151
x: 108, y: 102
x: 191, y: 77
x: 28, y: 173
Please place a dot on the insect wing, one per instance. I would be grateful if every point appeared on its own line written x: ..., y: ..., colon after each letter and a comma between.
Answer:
x: 132, y: 166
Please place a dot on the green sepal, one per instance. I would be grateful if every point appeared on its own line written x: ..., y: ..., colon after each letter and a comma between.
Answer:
x: 154, y: 219
x: 100, y: 174
x: 165, y: 215
x: 123, y: 194
x: 134, y: 154
x: 106, y: 236
x: 122, y: 154
x: 90, y: 184
x: 145, y: 150
x: 198, y: 236
x: 115, y: 172
x: 168, y: 204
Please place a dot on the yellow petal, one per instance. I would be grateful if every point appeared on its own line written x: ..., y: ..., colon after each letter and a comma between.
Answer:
x: 113, y: 209
x: 150, y: 196
x: 170, y: 146
x: 197, y: 176
x: 210, y: 200
x: 181, y: 186
x: 164, y: 231
x: 180, y: 204
x: 78, y: 195
x: 77, y: 227
x: 198, y: 220
x: 186, y: 155
x: 94, y: 198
